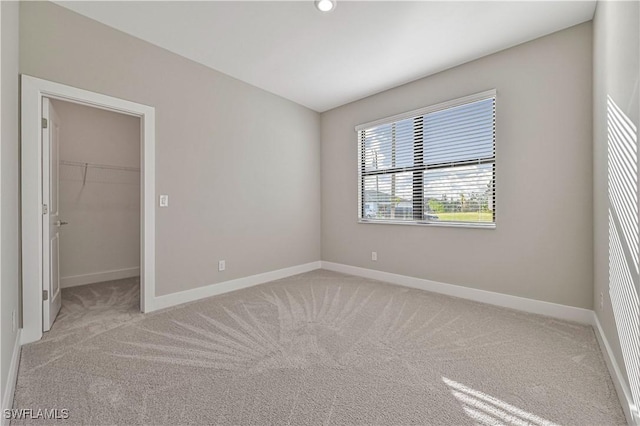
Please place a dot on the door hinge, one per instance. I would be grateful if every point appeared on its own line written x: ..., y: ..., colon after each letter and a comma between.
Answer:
x: 45, y: 209
x: 45, y: 123
x: 45, y: 294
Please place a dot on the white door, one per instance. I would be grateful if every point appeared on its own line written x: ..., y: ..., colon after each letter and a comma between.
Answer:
x: 51, y: 295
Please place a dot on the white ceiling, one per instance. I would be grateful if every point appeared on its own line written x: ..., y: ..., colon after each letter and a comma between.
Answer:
x: 326, y: 60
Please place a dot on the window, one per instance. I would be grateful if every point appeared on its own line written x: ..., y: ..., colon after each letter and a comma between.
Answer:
x: 435, y: 165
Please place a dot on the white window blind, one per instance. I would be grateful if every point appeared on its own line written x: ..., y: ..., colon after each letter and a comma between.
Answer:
x: 435, y: 165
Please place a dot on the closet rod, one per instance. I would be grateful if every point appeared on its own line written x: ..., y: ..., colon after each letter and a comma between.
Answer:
x: 99, y: 166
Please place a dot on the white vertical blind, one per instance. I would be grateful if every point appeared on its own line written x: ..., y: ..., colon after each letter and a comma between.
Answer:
x: 434, y: 165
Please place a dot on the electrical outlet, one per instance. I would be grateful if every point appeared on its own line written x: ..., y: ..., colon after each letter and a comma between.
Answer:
x: 601, y: 300
x: 164, y: 201
x: 13, y: 320
x: 221, y: 265
x: 374, y: 256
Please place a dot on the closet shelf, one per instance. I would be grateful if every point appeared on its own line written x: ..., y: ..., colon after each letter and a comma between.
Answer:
x: 99, y: 166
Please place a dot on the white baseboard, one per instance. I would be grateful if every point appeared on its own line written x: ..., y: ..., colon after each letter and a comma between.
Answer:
x: 569, y: 313
x: 10, y: 386
x: 624, y: 393
x: 98, y: 277
x: 161, y: 302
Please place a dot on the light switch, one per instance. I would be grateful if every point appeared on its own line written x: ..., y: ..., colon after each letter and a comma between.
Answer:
x: 164, y: 201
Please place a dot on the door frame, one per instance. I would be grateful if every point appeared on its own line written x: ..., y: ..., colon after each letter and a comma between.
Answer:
x: 33, y: 90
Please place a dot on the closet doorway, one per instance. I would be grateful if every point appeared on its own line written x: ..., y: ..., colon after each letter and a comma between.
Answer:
x: 88, y: 201
x: 92, y: 161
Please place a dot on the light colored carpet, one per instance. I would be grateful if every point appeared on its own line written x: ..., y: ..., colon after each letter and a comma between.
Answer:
x: 317, y: 348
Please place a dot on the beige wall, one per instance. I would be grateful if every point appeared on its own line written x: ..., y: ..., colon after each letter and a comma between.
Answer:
x: 9, y: 247
x: 240, y: 165
x: 103, y: 210
x: 616, y: 61
x: 543, y: 244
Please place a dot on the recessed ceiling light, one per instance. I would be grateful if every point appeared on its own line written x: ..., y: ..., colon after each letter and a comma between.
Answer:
x: 325, y: 5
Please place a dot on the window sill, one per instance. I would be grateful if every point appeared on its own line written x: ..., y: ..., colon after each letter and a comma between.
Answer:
x: 434, y: 223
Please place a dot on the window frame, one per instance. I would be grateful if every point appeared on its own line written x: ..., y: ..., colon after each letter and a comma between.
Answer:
x: 419, y: 167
